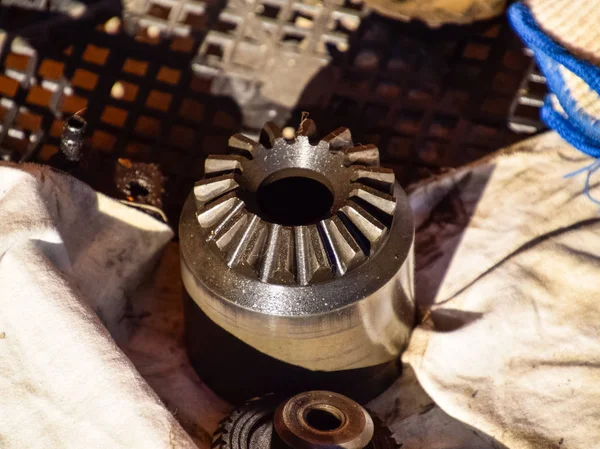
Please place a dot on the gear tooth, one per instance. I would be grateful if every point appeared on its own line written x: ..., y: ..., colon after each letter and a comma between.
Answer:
x: 269, y: 256
x: 322, y: 268
x: 375, y: 198
x: 311, y: 258
x: 244, y: 144
x: 221, y: 163
x: 279, y: 262
x: 338, y: 139
x: 245, y: 249
x: 378, y: 177
x: 303, y: 271
x: 285, y: 267
x: 307, y: 128
x: 371, y: 228
x: 227, y: 220
x: 209, y: 215
x: 211, y: 188
x: 270, y: 133
x: 362, y: 154
x: 346, y: 252
x: 225, y: 234
x: 256, y: 248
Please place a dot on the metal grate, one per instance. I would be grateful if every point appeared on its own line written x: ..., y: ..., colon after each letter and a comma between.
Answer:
x: 22, y: 114
x: 524, y: 115
x: 264, y: 52
x: 165, y: 17
x: 430, y: 99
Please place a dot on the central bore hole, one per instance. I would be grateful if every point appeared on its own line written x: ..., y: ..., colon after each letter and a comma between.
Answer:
x: 323, y: 420
x: 76, y: 123
x: 294, y: 200
x: 137, y: 190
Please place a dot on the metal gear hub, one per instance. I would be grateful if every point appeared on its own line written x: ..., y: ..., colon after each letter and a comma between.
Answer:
x: 309, y: 420
x: 302, y: 249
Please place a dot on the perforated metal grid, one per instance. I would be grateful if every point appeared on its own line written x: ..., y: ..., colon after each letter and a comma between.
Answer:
x: 21, y: 126
x: 266, y: 51
x: 429, y: 99
x: 165, y: 17
x: 524, y: 115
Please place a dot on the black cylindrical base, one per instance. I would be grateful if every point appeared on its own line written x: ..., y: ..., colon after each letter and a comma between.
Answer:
x: 236, y: 371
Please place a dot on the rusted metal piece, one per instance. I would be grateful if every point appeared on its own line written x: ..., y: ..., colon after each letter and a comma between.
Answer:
x: 309, y: 420
x: 140, y: 182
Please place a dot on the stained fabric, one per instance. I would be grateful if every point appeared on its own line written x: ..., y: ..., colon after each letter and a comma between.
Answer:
x: 509, y: 339
x: 69, y: 261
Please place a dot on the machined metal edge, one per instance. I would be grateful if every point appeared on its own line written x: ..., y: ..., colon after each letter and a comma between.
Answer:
x: 361, y: 319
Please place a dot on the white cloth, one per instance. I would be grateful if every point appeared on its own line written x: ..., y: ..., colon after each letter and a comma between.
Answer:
x: 571, y: 23
x: 67, y: 257
x: 506, y: 282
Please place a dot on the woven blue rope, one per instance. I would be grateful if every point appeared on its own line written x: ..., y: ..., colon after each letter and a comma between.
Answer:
x: 578, y: 128
x: 550, y: 56
x: 565, y: 129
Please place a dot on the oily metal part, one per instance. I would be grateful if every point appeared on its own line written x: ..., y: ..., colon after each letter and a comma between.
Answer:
x: 330, y: 295
x: 140, y: 182
x: 270, y: 423
x: 72, y: 137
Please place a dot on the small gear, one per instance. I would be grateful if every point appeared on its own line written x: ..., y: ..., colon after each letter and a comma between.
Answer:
x: 252, y: 426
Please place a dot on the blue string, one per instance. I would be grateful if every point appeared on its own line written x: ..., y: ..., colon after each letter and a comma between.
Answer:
x: 564, y: 128
x: 591, y: 169
x: 581, y: 170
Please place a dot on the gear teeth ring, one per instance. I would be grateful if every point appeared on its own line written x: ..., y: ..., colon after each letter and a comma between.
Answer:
x: 296, y: 254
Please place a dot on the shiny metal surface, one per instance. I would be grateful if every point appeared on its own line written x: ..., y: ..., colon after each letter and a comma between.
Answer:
x: 72, y: 137
x: 331, y: 293
x: 323, y: 420
x: 308, y: 420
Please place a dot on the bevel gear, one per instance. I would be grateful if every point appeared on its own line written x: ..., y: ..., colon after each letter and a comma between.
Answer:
x: 302, y: 250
